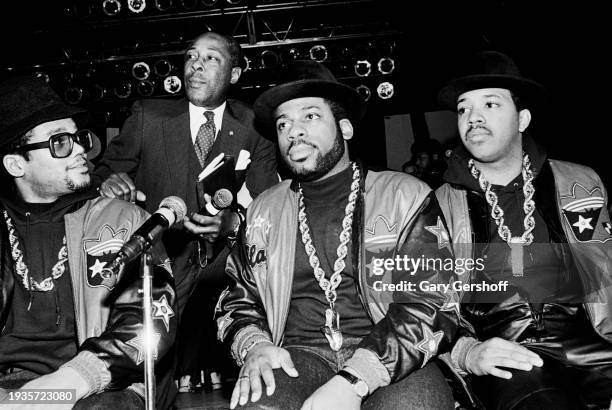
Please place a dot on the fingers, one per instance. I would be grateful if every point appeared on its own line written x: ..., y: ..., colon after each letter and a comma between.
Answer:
x: 268, y: 377
x: 516, y: 351
x: 287, y: 364
x: 236, y: 391
x: 203, y: 225
x: 255, y: 386
x: 502, y: 374
x: 245, y: 387
x: 496, y: 352
x: 120, y: 186
x: 505, y: 361
x: 524, y: 356
x: 140, y: 196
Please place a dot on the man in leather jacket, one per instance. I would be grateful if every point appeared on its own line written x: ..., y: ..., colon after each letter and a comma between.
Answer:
x: 541, y: 226
x: 305, y: 311
x: 68, y: 321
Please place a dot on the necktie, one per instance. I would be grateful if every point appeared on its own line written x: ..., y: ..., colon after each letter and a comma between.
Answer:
x: 205, y: 138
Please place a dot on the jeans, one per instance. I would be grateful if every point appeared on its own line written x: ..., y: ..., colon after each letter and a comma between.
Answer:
x: 316, y: 363
x: 116, y: 400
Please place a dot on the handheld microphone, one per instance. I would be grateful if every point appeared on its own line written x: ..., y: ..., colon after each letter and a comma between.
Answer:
x: 222, y: 199
x: 171, y: 210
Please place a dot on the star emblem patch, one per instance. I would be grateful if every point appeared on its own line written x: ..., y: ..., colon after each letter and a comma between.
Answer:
x: 100, y: 252
x: 137, y: 343
x: 163, y: 311
x: 583, y: 223
x: 222, y: 323
x: 429, y: 345
x: 451, y: 304
x: 440, y: 232
x: 582, y: 209
x: 261, y: 223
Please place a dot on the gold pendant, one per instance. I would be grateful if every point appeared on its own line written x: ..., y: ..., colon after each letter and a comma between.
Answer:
x: 516, y: 255
x: 332, y: 329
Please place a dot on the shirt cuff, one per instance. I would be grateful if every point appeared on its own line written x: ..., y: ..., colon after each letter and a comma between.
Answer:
x: 92, y: 369
x: 247, y: 338
x: 368, y: 367
x: 460, y: 352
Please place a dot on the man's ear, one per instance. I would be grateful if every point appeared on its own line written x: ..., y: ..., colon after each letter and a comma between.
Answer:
x: 235, y: 75
x: 14, y: 165
x: 524, y: 119
x: 347, y: 128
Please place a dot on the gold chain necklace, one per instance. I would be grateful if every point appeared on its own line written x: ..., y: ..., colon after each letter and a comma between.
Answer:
x: 516, y: 243
x: 332, y: 317
x: 22, y: 269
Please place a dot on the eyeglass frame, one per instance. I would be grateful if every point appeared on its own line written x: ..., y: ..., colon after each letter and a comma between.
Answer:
x: 48, y: 144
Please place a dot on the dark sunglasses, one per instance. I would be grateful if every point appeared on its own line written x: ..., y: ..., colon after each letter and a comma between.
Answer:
x: 61, y: 144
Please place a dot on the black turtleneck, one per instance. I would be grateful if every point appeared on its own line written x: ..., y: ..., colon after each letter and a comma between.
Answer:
x: 325, y: 203
x: 39, y: 334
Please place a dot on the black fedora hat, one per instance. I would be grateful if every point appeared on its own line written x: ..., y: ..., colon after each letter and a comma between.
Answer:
x: 307, y: 78
x: 490, y: 69
x: 28, y: 101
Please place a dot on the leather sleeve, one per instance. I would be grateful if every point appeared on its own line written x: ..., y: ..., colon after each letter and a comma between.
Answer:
x: 120, y: 345
x: 123, y: 153
x: 419, y: 324
x: 239, y: 305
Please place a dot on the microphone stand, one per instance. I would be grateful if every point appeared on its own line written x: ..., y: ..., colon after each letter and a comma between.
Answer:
x: 148, y: 336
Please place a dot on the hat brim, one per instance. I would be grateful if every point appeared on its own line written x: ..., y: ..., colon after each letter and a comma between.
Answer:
x: 266, y: 104
x: 50, y: 113
x: 528, y: 91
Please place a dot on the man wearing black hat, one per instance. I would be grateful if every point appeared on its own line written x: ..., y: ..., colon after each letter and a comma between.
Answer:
x: 66, y: 321
x: 306, y: 312
x: 540, y: 224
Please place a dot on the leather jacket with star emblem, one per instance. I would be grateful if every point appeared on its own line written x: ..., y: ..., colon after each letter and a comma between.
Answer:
x: 572, y: 201
x: 107, y: 309
x: 395, y: 215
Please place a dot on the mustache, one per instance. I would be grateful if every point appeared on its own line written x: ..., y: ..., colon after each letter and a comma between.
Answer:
x: 298, y: 142
x: 79, y: 160
x: 476, y: 127
x: 195, y: 76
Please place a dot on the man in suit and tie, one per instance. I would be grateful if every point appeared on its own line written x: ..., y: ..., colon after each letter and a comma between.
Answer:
x: 165, y: 144
x: 163, y: 147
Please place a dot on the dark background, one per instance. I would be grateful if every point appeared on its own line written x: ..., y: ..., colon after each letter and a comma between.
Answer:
x: 562, y: 46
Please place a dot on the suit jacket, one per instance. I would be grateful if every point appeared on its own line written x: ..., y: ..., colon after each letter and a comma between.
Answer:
x: 156, y: 150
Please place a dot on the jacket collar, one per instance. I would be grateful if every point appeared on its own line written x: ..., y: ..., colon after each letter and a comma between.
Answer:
x: 458, y: 172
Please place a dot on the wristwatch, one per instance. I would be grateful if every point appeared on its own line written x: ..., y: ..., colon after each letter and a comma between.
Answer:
x: 360, y: 387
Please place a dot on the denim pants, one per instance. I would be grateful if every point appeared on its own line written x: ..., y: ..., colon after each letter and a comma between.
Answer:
x: 116, y: 400
x: 316, y: 363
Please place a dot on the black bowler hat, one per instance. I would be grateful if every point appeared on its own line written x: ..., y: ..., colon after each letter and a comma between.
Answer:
x: 490, y: 69
x: 26, y: 102
x: 307, y: 78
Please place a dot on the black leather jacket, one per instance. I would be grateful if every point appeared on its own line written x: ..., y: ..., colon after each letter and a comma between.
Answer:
x: 516, y: 317
x: 108, y: 314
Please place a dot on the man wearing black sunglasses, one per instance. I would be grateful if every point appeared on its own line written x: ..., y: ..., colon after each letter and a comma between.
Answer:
x: 66, y: 322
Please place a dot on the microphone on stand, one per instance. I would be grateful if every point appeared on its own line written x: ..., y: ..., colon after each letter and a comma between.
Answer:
x: 171, y: 210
